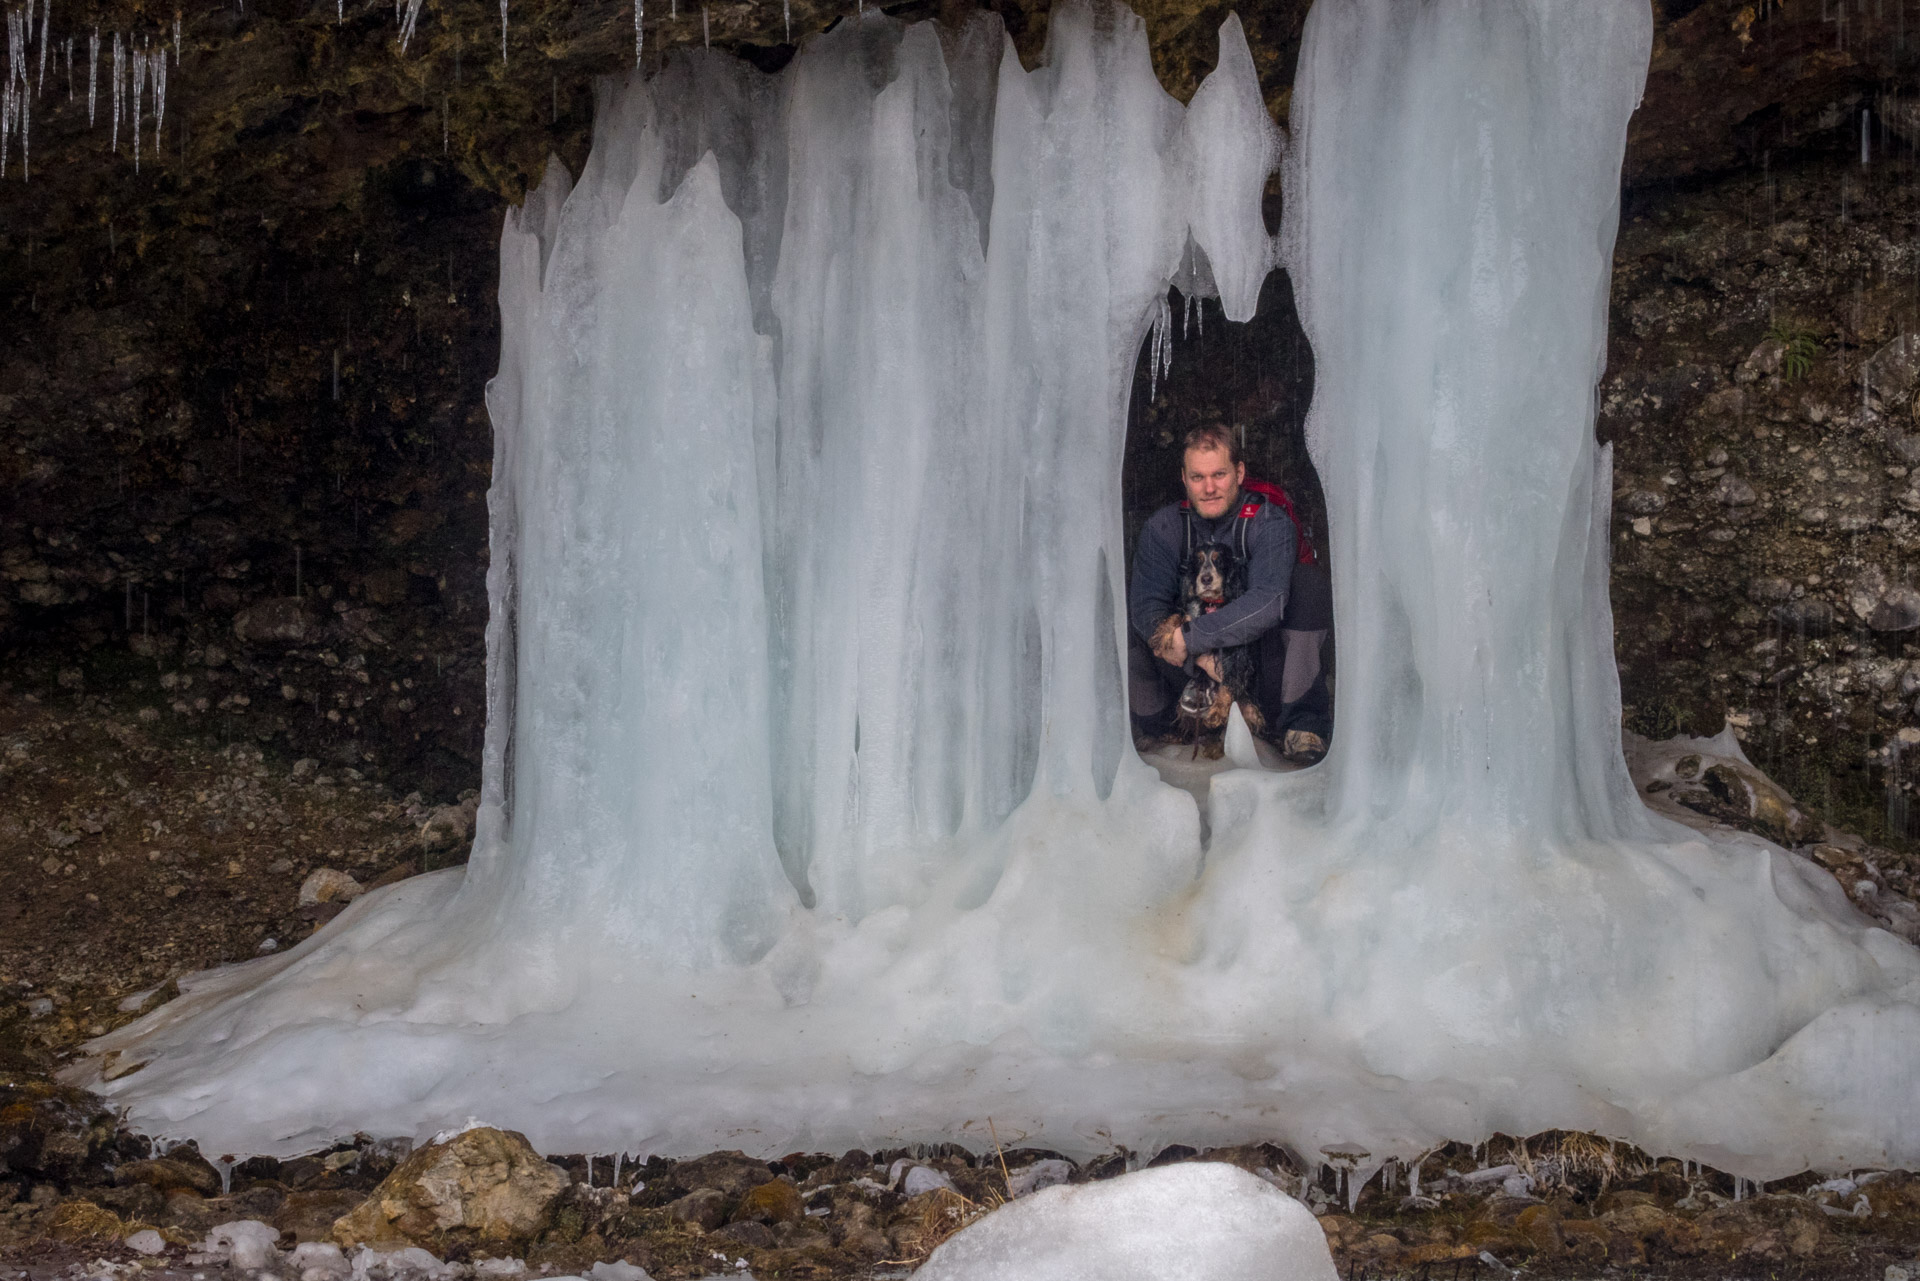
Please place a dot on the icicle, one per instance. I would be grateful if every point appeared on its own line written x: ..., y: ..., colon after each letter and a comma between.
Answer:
x: 159, y: 77
x: 139, y: 90
x: 673, y: 9
x: 503, y: 30
x: 6, y: 123
x: 638, y: 11
x: 29, y: 22
x: 618, y: 1157
x: 786, y: 13
x: 119, y: 68
x: 706, y: 35
x: 1186, y: 318
x: 46, y: 19
x: 176, y: 37
x: 93, y: 73
x: 407, y: 23
x: 1865, y: 145
x: 69, y: 68
x: 339, y: 12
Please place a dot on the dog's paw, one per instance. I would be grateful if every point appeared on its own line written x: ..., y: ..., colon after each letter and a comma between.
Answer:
x: 1218, y: 709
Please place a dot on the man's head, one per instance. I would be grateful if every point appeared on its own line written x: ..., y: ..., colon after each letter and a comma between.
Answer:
x: 1212, y: 471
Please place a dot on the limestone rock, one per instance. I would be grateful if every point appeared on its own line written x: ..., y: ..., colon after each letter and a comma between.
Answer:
x: 1762, y: 362
x: 328, y: 885
x: 450, y: 827
x: 484, y: 1185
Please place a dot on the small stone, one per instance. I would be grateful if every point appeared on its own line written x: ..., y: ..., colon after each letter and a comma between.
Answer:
x: 304, y: 766
x: 921, y: 1179
x: 703, y: 1206
x: 1768, y: 590
x: 282, y: 620
x: 328, y: 885
x: 1809, y: 615
x: 1731, y: 491
x: 1762, y: 362
x: 1643, y: 526
x: 1895, y: 1272
x: 448, y: 827
x: 1643, y: 502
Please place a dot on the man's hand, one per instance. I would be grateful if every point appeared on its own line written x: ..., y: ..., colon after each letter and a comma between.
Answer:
x: 1210, y: 664
x: 1170, y: 642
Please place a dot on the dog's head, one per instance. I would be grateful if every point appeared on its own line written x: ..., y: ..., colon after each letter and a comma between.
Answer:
x: 1211, y: 576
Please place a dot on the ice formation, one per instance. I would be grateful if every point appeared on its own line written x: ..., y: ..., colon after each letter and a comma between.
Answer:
x: 809, y: 813
x: 1201, y: 1222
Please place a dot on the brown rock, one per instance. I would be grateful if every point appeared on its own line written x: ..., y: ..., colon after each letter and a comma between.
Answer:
x: 1342, y: 1233
x: 775, y: 1201
x: 484, y: 1185
x: 732, y: 1172
x: 171, y: 1174
x: 1540, y: 1224
x: 705, y: 1207
x: 749, y: 1233
x: 310, y: 1216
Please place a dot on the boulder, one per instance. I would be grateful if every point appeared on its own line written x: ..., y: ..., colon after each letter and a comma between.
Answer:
x: 1897, y: 611
x: 483, y: 1186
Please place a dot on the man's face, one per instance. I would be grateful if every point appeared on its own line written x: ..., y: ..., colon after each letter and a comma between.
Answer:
x: 1213, y: 483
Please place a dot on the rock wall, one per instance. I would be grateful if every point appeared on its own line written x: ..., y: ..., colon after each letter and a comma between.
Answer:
x: 246, y: 458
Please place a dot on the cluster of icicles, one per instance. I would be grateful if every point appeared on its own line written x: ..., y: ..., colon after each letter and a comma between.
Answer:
x: 137, y: 73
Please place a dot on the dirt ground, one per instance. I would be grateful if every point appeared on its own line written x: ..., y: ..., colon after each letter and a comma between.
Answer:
x: 131, y: 855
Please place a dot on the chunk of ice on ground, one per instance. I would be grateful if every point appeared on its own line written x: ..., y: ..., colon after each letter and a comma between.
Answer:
x: 1204, y: 1221
x: 247, y: 1244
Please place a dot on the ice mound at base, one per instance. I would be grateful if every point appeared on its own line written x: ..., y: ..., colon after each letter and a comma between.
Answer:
x: 809, y: 814
x: 1201, y: 1222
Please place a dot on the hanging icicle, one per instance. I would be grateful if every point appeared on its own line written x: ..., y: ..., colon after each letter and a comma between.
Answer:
x: 69, y: 68
x: 158, y: 75
x: 119, y: 79
x: 639, y: 8
x: 6, y: 120
x: 408, y: 22
x: 139, y: 90
x: 786, y: 14
x: 706, y: 33
x: 176, y: 37
x: 93, y: 73
x: 46, y: 19
x: 503, y: 30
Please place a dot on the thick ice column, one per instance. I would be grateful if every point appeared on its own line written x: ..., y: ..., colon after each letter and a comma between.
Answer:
x: 1089, y: 219
x: 1452, y: 205
x: 641, y: 797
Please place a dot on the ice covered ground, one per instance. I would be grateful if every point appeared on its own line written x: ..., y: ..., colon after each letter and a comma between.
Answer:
x: 809, y: 813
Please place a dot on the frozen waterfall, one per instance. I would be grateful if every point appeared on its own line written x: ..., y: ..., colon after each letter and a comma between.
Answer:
x: 809, y: 816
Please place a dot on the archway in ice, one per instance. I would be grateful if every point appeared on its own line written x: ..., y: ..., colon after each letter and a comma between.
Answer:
x: 809, y: 815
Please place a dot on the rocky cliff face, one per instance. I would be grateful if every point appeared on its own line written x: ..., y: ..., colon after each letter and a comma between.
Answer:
x: 246, y: 455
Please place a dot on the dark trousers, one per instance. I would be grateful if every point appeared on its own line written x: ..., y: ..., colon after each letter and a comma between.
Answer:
x: 1293, y: 690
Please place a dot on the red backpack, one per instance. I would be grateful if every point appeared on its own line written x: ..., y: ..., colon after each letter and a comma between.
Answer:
x: 1271, y: 493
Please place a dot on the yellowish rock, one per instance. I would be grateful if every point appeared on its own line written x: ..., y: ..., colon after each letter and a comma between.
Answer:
x: 485, y: 1185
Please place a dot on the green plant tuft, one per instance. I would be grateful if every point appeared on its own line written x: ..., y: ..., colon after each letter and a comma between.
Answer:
x: 1801, y: 347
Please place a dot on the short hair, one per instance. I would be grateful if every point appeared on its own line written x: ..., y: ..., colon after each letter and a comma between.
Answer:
x: 1212, y: 436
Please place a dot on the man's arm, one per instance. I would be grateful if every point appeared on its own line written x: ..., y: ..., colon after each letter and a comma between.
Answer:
x: 1155, y: 591
x: 1272, y: 544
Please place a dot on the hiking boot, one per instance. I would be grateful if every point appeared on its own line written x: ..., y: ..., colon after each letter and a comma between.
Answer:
x: 1303, y: 747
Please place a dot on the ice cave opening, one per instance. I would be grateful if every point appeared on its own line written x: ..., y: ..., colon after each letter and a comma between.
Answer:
x: 810, y: 817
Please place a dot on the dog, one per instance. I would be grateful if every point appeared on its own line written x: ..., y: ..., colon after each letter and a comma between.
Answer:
x: 1213, y: 576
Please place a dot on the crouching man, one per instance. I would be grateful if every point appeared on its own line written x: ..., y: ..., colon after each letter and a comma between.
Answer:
x: 1285, y: 611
